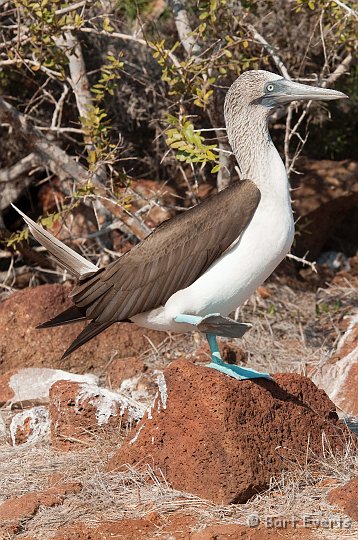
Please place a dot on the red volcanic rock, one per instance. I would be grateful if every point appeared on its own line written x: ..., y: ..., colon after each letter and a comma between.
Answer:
x: 79, y: 410
x: 21, y: 345
x: 223, y: 439
x: 14, y: 512
x: 339, y: 375
x: 346, y: 498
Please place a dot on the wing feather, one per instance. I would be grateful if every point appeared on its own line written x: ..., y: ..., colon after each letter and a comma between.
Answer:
x: 169, y: 259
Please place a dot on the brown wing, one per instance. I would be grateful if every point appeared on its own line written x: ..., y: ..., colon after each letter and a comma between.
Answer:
x: 169, y: 259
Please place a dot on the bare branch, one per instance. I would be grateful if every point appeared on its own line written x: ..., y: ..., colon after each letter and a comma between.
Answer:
x: 64, y: 166
x: 9, y: 174
x: 340, y: 70
x: 193, y: 50
x: 344, y: 6
x: 271, y: 50
x: 57, y: 114
x: 304, y: 261
x: 56, y: 159
x: 80, y: 85
x: 14, y: 179
x: 125, y: 37
x: 70, y: 8
x: 183, y: 27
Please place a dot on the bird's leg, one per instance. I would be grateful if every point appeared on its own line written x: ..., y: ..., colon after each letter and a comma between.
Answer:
x: 213, y: 325
x: 232, y: 370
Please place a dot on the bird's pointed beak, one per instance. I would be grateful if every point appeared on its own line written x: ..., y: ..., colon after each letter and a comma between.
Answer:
x: 287, y: 91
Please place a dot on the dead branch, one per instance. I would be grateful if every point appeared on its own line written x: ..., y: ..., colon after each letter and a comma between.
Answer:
x: 271, y: 50
x: 16, y: 178
x: 12, y: 191
x: 63, y: 165
x: 79, y: 81
x: 72, y: 7
x: 340, y: 70
x: 349, y: 10
x: 125, y: 37
x: 69, y: 43
x: 304, y: 261
x: 56, y: 159
x: 183, y: 26
x: 9, y: 174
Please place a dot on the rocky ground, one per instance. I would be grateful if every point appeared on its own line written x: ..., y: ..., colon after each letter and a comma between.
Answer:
x: 131, y: 437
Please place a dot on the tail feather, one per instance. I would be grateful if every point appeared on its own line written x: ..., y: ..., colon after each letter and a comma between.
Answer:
x: 92, y: 330
x: 70, y: 315
x: 82, y: 269
x: 65, y: 256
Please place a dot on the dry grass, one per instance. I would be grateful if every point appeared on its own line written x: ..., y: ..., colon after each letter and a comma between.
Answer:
x: 136, y: 493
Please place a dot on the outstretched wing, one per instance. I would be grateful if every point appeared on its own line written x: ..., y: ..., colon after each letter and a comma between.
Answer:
x: 170, y: 259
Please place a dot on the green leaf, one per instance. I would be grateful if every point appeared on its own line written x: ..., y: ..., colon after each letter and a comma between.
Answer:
x: 106, y: 25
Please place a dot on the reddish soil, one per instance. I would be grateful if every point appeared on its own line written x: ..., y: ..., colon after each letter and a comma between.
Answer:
x: 21, y: 345
x: 180, y: 527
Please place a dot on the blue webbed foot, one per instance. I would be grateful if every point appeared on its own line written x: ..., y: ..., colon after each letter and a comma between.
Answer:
x: 237, y: 372
x: 213, y: 325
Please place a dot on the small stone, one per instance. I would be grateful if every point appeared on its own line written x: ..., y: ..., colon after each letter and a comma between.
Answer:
x: 223, y: 439
x: 263, y: 292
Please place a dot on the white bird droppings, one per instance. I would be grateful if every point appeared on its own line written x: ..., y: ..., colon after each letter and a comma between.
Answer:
x: 107, y: 403
x: 39, y: 419
x: 162, y: 386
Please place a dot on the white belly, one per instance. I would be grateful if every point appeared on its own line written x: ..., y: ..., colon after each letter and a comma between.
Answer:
x: 234, y: 277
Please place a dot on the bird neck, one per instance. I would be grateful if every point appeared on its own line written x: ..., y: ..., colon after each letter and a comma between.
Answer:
x: 257, y: 157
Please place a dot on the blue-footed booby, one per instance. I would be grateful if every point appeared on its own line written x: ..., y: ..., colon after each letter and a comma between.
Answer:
x: 199, y: 266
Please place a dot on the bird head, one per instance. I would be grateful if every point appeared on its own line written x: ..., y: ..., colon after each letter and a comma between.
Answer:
x: 271, y: 90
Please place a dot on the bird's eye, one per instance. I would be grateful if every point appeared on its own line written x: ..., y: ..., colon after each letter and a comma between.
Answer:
x: 269, y: 87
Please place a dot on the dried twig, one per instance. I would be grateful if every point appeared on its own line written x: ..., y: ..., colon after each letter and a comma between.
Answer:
x: 349, y: 10
x: 183, y: 26
x: 271, y: 50
x: 340, y: 70
x: 63, y: 165
x: 304, y: 261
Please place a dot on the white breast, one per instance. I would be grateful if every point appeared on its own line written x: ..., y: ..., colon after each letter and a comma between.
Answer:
x: 231, y: 280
